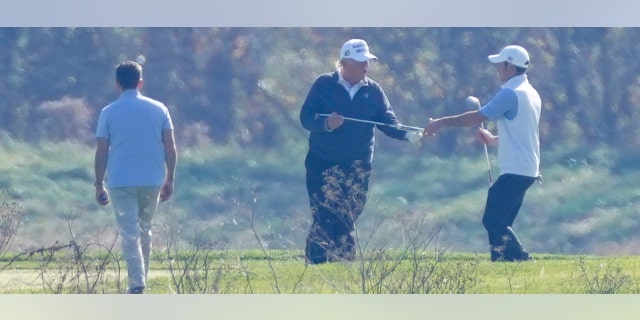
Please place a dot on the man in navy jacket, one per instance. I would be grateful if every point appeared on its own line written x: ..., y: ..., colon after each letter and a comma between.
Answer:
x: 338, y: 164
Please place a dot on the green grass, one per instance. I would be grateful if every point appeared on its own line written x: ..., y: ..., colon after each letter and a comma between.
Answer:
x: 587, y: 206
x: 375, y: 272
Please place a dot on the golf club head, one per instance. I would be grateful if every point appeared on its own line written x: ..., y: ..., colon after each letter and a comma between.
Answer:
x: 473, y: 102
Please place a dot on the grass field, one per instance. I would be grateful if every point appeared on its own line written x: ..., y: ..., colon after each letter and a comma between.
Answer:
x: 284, y: 272
x: 585, y: 213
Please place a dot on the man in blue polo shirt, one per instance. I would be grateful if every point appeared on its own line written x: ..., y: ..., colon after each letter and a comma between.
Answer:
x: 338, y: 163
x: 135, y: 146
x: 516, y: 110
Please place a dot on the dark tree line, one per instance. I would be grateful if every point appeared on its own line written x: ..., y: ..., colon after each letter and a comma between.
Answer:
x: 245, y: 85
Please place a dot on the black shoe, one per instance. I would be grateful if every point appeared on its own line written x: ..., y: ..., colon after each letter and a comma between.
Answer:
x: 137, y: 290
x: 497, y: 253
x: 520, y: 256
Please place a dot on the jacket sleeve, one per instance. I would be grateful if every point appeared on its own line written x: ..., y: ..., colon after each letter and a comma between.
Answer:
x: 387, y: 115
x: 311, y: 107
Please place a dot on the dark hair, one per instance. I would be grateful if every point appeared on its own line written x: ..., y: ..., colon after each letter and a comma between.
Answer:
x: 519, y: 70
x: 128, y: 74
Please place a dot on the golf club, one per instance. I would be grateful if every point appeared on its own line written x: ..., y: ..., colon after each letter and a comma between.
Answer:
x: 396, y: 126
x: 475, y: 103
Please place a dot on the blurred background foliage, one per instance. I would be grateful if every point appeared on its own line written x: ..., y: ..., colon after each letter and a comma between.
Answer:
x: 235, y: 94
x: 245, y: 85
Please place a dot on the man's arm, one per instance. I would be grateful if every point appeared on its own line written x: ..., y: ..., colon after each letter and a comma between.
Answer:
x: 487, y: 137
x: 311, y: 107
x: 466, y: 119
x: 387, y: 115
x: 170, y: 158
x: 100, y: 168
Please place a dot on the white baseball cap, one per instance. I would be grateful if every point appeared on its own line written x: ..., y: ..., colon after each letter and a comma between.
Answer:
x: 515, y: 55
x: 356, y: 49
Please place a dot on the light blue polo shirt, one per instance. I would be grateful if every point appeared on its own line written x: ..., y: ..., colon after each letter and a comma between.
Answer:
x: 133, y: 124
x: 503, y: 104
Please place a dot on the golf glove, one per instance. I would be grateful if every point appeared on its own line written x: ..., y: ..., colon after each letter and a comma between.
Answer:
x: 413, y: 136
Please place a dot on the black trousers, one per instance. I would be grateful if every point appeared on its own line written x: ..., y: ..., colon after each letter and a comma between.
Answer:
x: 503, y: 203
x: 337, y: 196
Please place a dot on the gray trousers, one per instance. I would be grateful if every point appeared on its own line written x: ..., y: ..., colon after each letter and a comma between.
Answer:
x: 134, y: 208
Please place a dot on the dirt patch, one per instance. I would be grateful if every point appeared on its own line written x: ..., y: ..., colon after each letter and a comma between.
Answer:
x: 20, y: 281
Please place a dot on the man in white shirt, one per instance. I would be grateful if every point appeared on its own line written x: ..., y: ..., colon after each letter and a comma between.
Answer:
x: 516, y: 110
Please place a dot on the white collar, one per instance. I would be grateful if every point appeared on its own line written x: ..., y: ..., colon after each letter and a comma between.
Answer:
x: 346, y: 83
x: 515, y: 80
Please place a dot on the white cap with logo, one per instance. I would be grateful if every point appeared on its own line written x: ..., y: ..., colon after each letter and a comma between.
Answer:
x: 356, y: 49
x: 515, y: 55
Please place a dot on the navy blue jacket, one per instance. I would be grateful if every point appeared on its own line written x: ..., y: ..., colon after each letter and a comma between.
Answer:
x: 353, y: 140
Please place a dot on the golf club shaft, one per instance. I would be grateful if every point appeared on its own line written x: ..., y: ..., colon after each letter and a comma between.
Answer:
x: 396, y: 126
x: 486, y: 155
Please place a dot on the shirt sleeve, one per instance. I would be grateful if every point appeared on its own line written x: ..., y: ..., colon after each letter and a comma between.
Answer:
x: 102, y: 131
x: 310, y: 109
x: 168, y: 123
x: 503, y: 104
